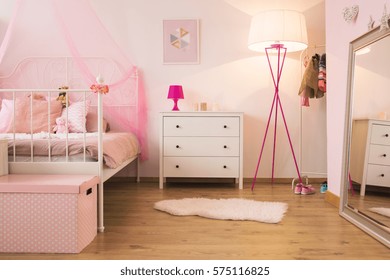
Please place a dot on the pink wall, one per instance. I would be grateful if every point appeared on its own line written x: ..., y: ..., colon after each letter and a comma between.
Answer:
x: 338, y: 35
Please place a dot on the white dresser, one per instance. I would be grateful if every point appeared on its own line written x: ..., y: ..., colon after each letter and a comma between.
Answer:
x: 201, y: 145
x: 370, y: 153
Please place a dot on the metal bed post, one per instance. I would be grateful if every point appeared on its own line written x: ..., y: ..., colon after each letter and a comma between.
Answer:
x: 100, y: 159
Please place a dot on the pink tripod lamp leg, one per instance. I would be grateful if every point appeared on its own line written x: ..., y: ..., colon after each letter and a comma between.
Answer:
x: 276, y: 102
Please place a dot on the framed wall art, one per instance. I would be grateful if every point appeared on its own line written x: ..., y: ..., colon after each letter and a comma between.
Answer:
x: 181, y: 41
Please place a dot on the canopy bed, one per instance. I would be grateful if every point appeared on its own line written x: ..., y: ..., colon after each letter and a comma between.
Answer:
x: 71, y: 101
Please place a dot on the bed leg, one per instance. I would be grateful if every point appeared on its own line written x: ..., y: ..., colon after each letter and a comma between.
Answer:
x: 100, y: 208
x: 138, y: 163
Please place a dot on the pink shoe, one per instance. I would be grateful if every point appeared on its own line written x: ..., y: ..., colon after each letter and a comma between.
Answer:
x: 308, y: 189
x: 298, y: 188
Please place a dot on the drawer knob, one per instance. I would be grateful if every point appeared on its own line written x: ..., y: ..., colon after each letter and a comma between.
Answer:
x: 225, y: 126
x: 386, y: 135
x: 177, y: 166
x: 382, y: 175
x: 177, y: 146
x: 225, y: 166
x: 224, y: 146
x: 384, y: 155
x: 177, y: 126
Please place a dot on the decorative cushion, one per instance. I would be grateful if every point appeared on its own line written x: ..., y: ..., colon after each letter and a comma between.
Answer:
x: 77, y: 112
x: 40, y: 109
x: 92, y: 122
x: 5, y: 116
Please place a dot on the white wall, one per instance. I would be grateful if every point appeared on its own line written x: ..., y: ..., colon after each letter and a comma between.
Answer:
x: 338, y: 35
x: 229, y: 74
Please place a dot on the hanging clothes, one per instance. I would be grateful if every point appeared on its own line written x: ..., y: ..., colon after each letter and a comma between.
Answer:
x: 309, y: 85
x: 322, y: 73
x: 305, y: 101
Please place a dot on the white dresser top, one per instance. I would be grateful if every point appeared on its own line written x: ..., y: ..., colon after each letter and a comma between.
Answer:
x: 201, y: 113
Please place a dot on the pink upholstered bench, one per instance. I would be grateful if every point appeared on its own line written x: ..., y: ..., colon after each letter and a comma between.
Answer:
x: 47, y: 213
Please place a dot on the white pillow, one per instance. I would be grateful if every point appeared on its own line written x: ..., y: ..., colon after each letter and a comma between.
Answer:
x: 77, y: 113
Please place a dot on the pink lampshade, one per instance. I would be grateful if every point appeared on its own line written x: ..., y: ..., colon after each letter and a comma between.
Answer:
x: 175, y: 91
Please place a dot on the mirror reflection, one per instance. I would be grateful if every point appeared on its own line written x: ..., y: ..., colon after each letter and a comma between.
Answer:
x: 369, y: 181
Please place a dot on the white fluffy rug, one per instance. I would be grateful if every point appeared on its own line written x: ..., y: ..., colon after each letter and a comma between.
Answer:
x: 225, y: 209
x: 381, y: 210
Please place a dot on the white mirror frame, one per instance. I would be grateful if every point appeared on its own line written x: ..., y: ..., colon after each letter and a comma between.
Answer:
x: 370, y: 226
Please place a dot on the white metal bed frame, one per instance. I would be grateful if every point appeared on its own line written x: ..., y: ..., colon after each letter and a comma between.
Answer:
x: 89, y: 168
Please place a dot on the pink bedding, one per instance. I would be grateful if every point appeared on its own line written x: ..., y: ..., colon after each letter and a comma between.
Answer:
x: 117, y: 146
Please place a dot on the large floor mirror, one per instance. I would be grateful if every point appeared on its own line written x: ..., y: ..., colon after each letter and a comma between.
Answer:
x: 365, y: 199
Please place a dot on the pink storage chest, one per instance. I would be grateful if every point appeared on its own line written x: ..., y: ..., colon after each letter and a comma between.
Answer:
x: 47, y: 213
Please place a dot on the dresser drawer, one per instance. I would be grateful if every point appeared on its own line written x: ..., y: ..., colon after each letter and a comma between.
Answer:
x: 202, y: 146
x: 214, y: 167
x: 378, y: 175
x: 201, y: 126
x: 379, y: 154
x: 380, y: 134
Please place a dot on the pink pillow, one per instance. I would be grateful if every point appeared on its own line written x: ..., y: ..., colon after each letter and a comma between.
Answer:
x: 22, y: 115
x: 77, y: 112
x: 92, y: 123
x: 6, y: 116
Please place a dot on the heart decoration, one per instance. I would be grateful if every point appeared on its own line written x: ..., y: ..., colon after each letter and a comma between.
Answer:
x: 350, y: 13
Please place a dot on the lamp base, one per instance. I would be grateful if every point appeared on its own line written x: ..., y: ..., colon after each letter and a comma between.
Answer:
x: 175, y: 107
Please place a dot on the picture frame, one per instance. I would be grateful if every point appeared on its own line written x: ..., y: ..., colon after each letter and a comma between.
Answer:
x: 181, y: 41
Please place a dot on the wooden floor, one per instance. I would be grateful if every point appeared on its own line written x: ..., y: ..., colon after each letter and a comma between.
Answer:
x: 371, y: 199
x: 311, y: 228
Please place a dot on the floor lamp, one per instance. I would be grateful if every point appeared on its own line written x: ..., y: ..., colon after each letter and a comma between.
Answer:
x: 278, y: 32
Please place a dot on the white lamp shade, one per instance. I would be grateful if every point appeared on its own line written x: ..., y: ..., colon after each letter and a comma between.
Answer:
x: 278, y: 27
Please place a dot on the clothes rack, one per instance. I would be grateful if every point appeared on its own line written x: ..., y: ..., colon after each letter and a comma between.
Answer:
x: 306, y: 174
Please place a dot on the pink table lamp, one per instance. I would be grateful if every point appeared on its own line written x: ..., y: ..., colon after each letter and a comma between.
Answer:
x: 175, y: 92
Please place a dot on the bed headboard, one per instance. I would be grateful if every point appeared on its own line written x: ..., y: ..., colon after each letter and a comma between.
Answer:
x: 54, y: 72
